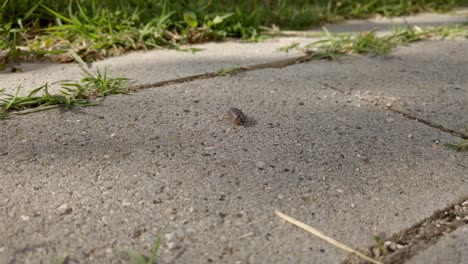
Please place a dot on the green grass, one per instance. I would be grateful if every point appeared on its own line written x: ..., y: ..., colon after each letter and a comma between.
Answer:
x: 460, y: 146
x: 62, y: 260
x: 35, y: 29
x: 138, y: 258
x: 83, y: 93
x: 131, y: 255
x: 227, y: 71
x: 335, y: 46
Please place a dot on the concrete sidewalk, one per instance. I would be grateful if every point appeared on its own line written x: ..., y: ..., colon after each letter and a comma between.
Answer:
x: 352, y: 148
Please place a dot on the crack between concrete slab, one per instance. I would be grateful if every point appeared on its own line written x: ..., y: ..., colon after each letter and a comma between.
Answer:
x: 406, y: 115
x: 233, y: 71
x: 408, y: 242
x: 282, y: 64
x: 405, y: 244
x: 429, y: 123
x: 269, y: 65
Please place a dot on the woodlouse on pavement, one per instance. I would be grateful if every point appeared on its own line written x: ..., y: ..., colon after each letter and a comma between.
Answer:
x: 236, y: 117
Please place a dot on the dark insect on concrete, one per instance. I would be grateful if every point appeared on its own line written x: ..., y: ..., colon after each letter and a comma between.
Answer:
x: 236, y: 117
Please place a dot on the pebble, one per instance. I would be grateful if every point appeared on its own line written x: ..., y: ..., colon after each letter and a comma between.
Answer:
x: 171, y: 245
x: 260, y: 165
x: 390, y: 245
x: 64, y: 209
x: 170, y: 236
x: 376, y: 252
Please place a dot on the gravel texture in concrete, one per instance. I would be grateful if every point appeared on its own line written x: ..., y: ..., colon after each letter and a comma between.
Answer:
x: 156, y: 65
x: 161, y: 65
x: 322, y: 143
x: 165, y: 163
x: 452, y: 249
x: 427, y: 80
x: 384, y: 24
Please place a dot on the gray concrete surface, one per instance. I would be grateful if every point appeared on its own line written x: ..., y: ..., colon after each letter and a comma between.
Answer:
x: 426, y: 79
x: 160, y: 65
x: 452, y: 249
x: 320, y: 146
x: 164, y: 163
x: 384, y: 24
x: 156, y: 65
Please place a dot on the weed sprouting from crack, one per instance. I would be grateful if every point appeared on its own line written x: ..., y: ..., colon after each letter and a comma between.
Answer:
x: 79, y: 94
x: 62, y: 260
x: 335, y: 46
x: 137, y: 258
x: 460, y: 146
x: 15, y: 102
x: 227, y: 71
x: 288, y: 48
x: 36, y: 29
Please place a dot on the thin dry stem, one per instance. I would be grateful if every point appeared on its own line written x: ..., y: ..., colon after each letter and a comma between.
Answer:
x: 324, y: 237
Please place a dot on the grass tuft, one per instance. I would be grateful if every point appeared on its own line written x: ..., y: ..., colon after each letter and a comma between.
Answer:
x: 335, y: 46
x: 227, y: 71
x: 137, y: 258
x: 79, y: 94
x: 62, y: 260
x: 45, y: 29
x: 461, y: 146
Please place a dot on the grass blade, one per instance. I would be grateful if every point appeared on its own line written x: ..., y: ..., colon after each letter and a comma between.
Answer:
x: 134, y: 256
x: 81, y: 63
x: 58, y: 15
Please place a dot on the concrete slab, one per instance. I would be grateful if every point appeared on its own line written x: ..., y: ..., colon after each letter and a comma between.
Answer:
x: 452, y: 249
x: 161, y: 65
x: 164, y: 163
x: 156, y: 65
x: 426, y: 79
x: 386, y: 24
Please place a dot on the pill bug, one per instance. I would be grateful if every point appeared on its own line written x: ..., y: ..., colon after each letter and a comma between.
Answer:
x: 236, y: 117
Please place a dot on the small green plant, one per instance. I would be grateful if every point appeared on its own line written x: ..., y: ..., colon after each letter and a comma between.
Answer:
x: 192, y: 50
x: 462, y: 145
x: 227, y: 71
x: 31, y: 29
x: 288, y: 48
x: 137, y: 258
x: 15, y: 102
x: 380, y: 245
x: 335, y: 46
x: 72, y: 94
x: 62, y: 259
